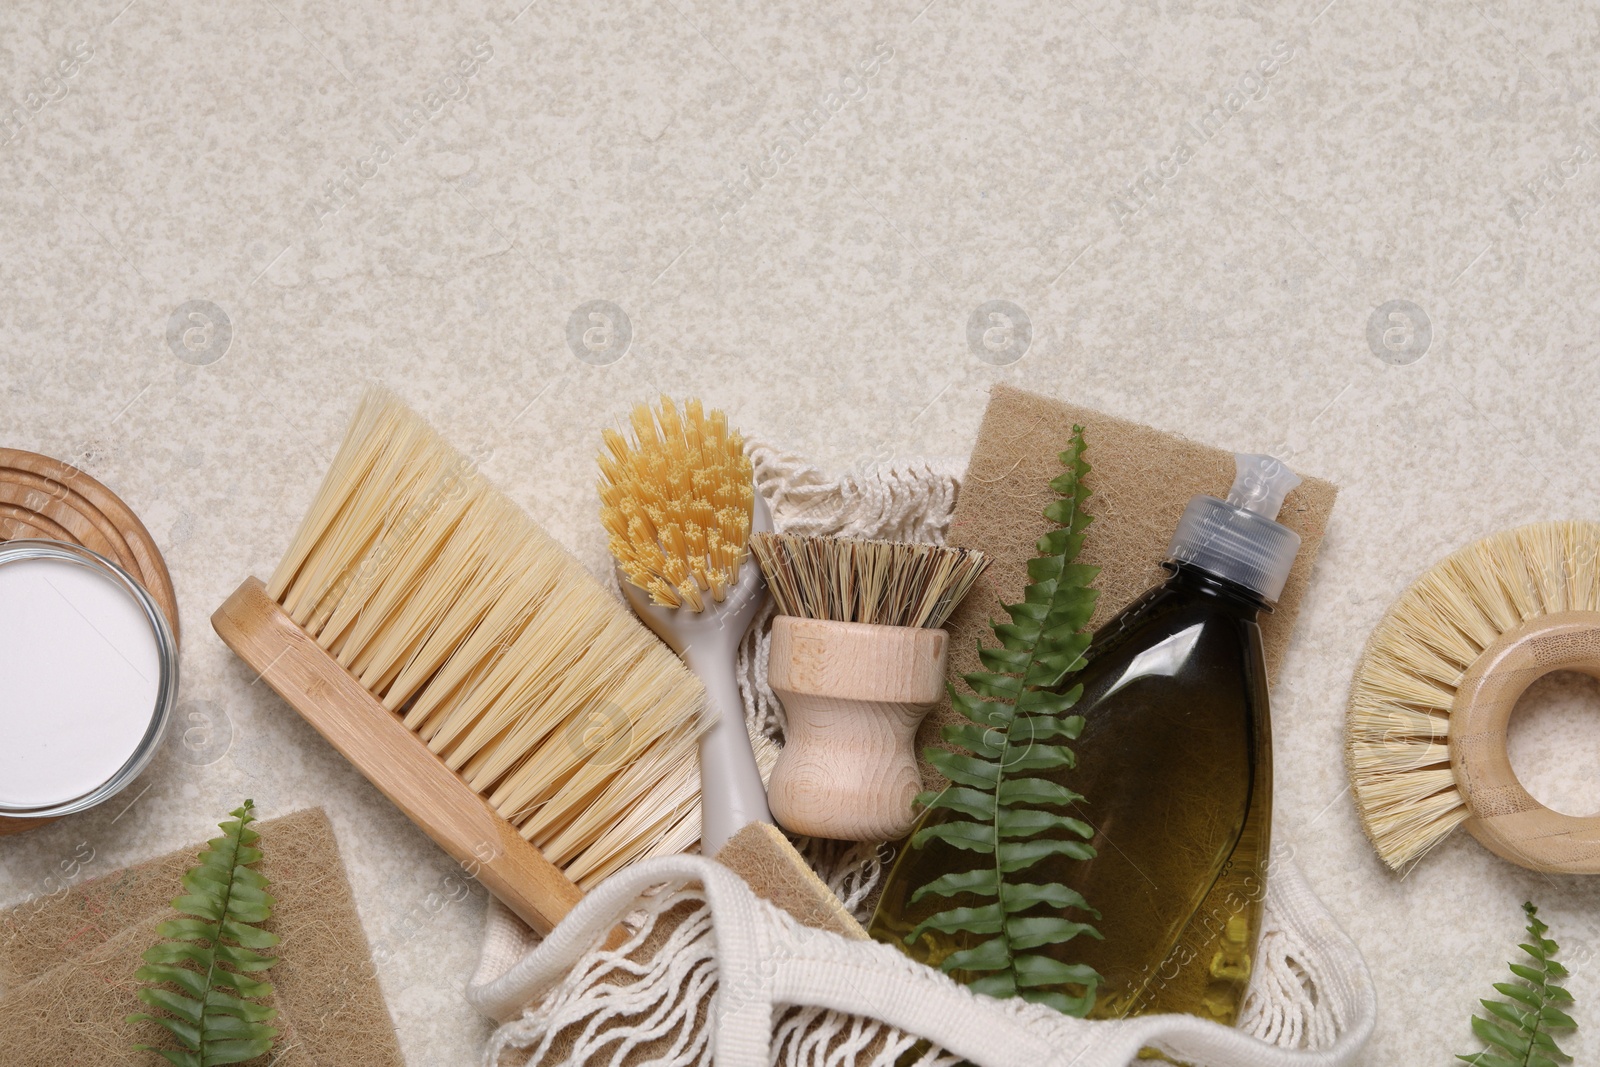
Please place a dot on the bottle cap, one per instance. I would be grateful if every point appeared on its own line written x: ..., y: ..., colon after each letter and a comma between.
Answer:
x: 1237, y: 539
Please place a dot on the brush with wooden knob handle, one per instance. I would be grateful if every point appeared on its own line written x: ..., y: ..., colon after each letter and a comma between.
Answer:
x: 854, y: 695
x: 858, y: 661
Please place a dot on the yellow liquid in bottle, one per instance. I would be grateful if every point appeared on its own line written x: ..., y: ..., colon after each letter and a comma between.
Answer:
x: 1174, y: 764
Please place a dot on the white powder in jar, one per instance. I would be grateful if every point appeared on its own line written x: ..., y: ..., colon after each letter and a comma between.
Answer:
x: 79, y: 676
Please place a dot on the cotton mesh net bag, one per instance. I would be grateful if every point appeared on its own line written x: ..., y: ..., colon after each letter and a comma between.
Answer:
x: 714, y: 973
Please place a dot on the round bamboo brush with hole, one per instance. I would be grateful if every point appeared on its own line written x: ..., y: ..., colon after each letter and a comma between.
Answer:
x: 679, y: 504
x: 1429, y: 706
x: 474, y: 671
x: 858, y: 660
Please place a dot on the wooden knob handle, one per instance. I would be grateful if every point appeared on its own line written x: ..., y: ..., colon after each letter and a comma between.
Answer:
x: 1504, y: 817
x: 854, y: 695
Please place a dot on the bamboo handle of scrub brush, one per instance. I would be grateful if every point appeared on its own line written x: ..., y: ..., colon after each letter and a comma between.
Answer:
x: 1504, y: 817
x: 854, y: 695
x: 393, y: 758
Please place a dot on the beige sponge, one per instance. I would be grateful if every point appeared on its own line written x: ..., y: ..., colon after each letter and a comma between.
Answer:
x: 763, y: 857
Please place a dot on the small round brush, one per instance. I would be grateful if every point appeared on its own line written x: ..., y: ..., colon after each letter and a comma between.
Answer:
x: 858, y: 660
x: 679, y: 503
x: 1435, y: 690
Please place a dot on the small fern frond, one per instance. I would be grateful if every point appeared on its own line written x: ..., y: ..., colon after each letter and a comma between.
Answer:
x: 997, y: 805
x: 201, y: 975
x: 1518, y: 1029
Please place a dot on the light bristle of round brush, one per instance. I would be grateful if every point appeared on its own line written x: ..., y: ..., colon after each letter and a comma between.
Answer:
x: 1397, y: 730
x: 460, y: 614
x: 884, y: 583
x: 676, y: 502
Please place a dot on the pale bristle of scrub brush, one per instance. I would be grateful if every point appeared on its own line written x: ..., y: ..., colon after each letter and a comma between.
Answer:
x: 884, y: 583
x: 676, y: 501
x: 1397, y: 734
x: 520, y: 671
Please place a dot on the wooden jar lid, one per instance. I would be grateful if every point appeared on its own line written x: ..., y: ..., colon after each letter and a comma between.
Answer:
x: 46, y: 498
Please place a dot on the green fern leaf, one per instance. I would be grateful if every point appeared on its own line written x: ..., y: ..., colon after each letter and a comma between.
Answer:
x: 1017, y: 723
x: 1003, y: 984
x: 1020, y: 896
x: 985, y: 920
x: 983, y: 712
x: 1079, y: 1006
x: 980, y: 774
x: 992, y: 955
x: 1036, y: 757
x: 1043, y: 727
x: 213, y: 1012
x: 984, y: 882
x: 1518, y: 1029
x: 1046, y: 702
x: 1001, y: 688
x: 973, y: 837
x: 1020, y: 855
x: 1033, y: 931
x: 1005, y: 659
x: 1036, y: 970
x: 1025, y: 822
x: 981, y: 741
x: 1035, y: 791
x: 971, y: 802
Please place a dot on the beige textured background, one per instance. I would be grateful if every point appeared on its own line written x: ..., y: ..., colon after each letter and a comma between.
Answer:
x: 1445, y: 155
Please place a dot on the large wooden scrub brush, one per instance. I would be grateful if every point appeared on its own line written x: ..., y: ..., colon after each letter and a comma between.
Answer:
x: 1431, y: 699
x: 474, y: 671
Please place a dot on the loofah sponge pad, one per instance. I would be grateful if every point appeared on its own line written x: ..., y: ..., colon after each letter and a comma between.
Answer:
x: 67, y: 962
x: 1142, y: 479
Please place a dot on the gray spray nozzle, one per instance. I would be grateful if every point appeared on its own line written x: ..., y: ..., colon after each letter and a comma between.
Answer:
x: 1238, y: 539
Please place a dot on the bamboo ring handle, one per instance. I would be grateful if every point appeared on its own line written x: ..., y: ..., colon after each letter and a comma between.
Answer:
x: 854, y: 695
x: 1503, y: 816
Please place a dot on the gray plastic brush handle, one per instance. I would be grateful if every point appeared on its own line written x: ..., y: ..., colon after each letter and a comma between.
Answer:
x: 731, y: 794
